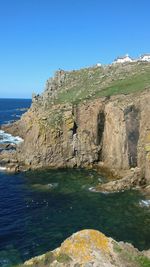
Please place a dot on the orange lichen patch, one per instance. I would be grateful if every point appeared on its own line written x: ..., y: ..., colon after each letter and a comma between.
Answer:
x: 80, y: 245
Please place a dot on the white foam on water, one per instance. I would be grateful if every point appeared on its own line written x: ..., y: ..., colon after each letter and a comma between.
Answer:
x: 18, y: 116
x: 9, y: 139
x: 8, y: 122
x: 52, y: 185
x: 145, y: 203
x: 3, y: 168
x: 92, y: 189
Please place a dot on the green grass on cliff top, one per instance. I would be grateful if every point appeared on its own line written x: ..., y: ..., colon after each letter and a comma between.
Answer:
x: 97, y: 82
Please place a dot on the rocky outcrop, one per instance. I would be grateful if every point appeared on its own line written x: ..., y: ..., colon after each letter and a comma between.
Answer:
x: 129, y: 179
x: 89, y: 248
x: 114, y: 131
x: 109, y: 131
x: 61, y: 136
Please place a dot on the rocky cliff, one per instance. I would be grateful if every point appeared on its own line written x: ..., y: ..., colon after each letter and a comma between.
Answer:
x: 98, y: 115
x: 89, y: 248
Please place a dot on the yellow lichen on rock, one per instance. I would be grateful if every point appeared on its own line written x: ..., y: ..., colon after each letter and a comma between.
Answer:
x: 148, y: 156
x: 147, y: 138
x: 90, y: 248
x: 147, y: 142
x: 80, y: 245
x: 69, y: 123
x: 147, y: 147
x: 34, y: 260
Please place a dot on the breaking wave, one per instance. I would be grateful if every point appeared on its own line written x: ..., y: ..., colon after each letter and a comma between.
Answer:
x: 145, y: 203
x: 6, y: 138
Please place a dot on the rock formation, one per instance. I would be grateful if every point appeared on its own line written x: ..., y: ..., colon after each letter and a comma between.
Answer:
x: 96, y: 116
x: 89, y: 248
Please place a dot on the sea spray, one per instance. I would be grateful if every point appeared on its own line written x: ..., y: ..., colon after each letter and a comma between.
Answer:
x: 6, y: 138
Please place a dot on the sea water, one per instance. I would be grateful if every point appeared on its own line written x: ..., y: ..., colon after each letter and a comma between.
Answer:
x: 40, y: 209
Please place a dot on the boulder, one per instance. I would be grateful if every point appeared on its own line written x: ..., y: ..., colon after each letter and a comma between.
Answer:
x: 91, y: 248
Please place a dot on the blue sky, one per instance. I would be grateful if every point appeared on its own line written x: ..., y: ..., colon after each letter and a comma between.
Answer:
x: 39, y: 36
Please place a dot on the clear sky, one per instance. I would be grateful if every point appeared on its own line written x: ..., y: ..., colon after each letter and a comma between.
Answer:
x: 39, y: 36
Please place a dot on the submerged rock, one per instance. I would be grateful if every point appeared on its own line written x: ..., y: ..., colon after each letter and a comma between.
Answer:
x: 91, y: 248
x: 132, y: 179
x: 45, y: 187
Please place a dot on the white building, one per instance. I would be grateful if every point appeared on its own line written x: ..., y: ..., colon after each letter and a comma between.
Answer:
x: 145, y: 57
x: 98, y: 64
x: 124, y: 59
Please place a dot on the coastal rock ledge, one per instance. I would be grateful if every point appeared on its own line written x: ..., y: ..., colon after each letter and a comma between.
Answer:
x: 91, y: 248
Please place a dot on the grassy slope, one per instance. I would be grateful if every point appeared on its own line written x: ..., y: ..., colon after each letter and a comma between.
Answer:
x: 96, y: 82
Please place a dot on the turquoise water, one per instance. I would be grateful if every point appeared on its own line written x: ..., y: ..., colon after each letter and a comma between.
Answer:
x: 40, y: 209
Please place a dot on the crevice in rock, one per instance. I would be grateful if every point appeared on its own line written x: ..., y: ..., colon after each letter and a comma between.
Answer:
x: 74, y: 129
x: 74, y: 132
x: 100, y: 127
x: 100, y: 132
x: 132, y: 132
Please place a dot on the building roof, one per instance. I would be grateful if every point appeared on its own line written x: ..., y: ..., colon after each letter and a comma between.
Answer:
x: 122, y: 57
x: 145, y: 55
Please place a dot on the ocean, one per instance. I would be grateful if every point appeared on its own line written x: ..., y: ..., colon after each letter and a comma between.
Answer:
x: 10, y: 111
x: 39, y: 209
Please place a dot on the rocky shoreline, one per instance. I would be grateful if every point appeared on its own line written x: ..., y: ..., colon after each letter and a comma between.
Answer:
x: 8, y: 154
x: 119, y: 180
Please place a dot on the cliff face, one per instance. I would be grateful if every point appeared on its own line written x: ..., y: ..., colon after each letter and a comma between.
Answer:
x: 65, y: 135
x: 115, y: 132
x: 69, y: 125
